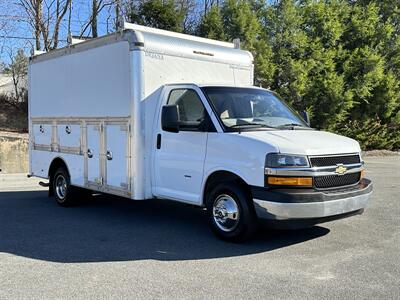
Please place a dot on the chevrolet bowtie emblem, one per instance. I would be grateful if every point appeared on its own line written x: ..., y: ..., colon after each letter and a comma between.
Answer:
x: 340, y: 169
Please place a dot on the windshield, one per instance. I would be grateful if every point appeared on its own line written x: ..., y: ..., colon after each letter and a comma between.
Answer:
x: 250, y: 107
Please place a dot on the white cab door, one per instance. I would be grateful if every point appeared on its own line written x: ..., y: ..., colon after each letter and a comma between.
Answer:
x: 117, y: 156
x: 179, y: 157
x: 93, y: 153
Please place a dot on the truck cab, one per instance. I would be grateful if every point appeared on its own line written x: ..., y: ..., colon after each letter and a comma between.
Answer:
x: 247, y: 156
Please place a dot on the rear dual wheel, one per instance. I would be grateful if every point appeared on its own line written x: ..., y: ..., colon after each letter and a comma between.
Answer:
x: 64, y: 193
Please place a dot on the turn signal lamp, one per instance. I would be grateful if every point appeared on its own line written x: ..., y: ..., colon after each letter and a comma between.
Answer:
x: 292, y: 181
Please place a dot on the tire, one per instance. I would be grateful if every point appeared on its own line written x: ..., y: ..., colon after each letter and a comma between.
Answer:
x: 231, y: 214
x: 64, y: 194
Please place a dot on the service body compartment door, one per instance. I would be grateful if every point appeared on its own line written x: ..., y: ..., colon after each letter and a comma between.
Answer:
x: 42, y: 134
x: 117, y: 154
x: 69, y: 138
x: 93, y: 153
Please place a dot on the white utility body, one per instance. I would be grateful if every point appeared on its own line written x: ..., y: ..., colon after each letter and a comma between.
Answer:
x: 146, y: 113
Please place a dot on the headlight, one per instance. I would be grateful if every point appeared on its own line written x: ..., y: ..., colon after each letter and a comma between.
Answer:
x: 276, y: 160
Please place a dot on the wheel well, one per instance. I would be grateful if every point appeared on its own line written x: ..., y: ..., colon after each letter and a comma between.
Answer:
x: 220, y: 177
x: 54, y: 166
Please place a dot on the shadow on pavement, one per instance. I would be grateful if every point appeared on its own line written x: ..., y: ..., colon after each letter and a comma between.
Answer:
x: 107, y: 228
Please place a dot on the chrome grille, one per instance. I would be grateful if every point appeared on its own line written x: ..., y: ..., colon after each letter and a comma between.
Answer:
x: 331, y: 181
x: 325, y: 161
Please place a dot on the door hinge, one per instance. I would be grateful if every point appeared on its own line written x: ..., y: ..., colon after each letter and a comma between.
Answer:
x: 124, y: 127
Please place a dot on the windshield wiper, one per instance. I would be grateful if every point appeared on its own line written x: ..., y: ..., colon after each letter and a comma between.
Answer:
x: 252, y: 125
x: 292, y: 125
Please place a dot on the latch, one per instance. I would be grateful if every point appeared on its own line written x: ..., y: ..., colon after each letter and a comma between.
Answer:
x: 99, y: 180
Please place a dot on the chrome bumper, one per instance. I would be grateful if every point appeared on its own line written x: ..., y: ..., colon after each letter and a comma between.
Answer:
x: 298, y: 207
x: 285, y: 211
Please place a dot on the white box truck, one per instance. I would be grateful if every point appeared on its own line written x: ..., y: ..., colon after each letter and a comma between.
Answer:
x: 145, y: 113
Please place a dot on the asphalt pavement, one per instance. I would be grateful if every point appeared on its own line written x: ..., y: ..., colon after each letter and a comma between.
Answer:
x: 110, y: 247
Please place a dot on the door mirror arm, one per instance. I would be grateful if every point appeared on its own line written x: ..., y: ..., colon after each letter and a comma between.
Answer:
x: 306, y: 117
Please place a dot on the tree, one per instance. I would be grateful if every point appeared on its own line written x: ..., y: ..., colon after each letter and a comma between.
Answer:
x: 209, y: 4
x: 240, y: 21
x: 282, y: 25
x: 97, y: 7
x: 212, y: 25
x: 34, y: 12
x: 326, y: 95
x: 45, y: 17
x: 371, y: 77
x: 18, y: 70
x: 156, y: 13
x: 95, y: 12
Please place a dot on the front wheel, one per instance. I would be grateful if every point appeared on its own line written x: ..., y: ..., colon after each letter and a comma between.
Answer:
x: 230, y: 212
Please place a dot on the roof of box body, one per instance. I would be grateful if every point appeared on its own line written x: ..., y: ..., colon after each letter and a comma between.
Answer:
x: 160, y: 42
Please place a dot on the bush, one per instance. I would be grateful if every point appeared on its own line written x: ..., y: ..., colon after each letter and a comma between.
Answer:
x: 13, y: 113
x: 372, y: 134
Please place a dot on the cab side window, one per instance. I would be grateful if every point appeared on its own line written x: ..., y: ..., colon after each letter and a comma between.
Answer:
x: 191, y: 110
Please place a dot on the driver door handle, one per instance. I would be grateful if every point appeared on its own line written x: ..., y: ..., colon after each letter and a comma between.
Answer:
x: 159, y: 141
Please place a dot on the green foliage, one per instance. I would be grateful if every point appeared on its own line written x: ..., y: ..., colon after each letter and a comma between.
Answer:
x: 212, y: 25
x: 18, y: 70
x: 240, y: 21
x: 372, y: 134
x: 156, y: 13
x: 337, y: 59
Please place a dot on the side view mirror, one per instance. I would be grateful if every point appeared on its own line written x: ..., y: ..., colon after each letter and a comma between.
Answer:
x: 170, y: 118
x: 306, y: 117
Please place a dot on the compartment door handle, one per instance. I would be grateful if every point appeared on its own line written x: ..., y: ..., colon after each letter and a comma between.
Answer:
x: 89, y: 153
x: 109, y: 155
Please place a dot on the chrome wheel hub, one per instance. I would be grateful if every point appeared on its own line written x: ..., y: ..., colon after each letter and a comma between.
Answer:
x: 226, y: 213
x: 61, y: 186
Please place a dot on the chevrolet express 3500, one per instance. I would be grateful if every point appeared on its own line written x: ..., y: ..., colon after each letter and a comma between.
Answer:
x: 145, y: 113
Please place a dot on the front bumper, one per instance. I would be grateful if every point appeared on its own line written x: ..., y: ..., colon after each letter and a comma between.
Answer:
x: 308, y: 204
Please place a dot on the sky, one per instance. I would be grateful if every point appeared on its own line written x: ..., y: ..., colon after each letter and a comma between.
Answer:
x: 16, y: 33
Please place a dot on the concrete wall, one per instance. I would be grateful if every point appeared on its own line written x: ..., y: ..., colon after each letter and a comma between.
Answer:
x: 14, y: 154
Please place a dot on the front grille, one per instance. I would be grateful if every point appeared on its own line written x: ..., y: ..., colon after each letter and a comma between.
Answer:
x: 331, y: 181
x: 325, y: 161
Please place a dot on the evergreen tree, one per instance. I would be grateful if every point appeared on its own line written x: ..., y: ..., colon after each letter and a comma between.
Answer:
x: 368, y: 74
x: 240, y: 21
x: 212, y: 25
x: 282, y: 25
x: 156, y: 13
x: 337, y: 59
x: 326, y: 95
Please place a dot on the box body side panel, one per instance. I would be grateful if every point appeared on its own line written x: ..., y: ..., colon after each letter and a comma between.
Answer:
x: 93, y: 83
